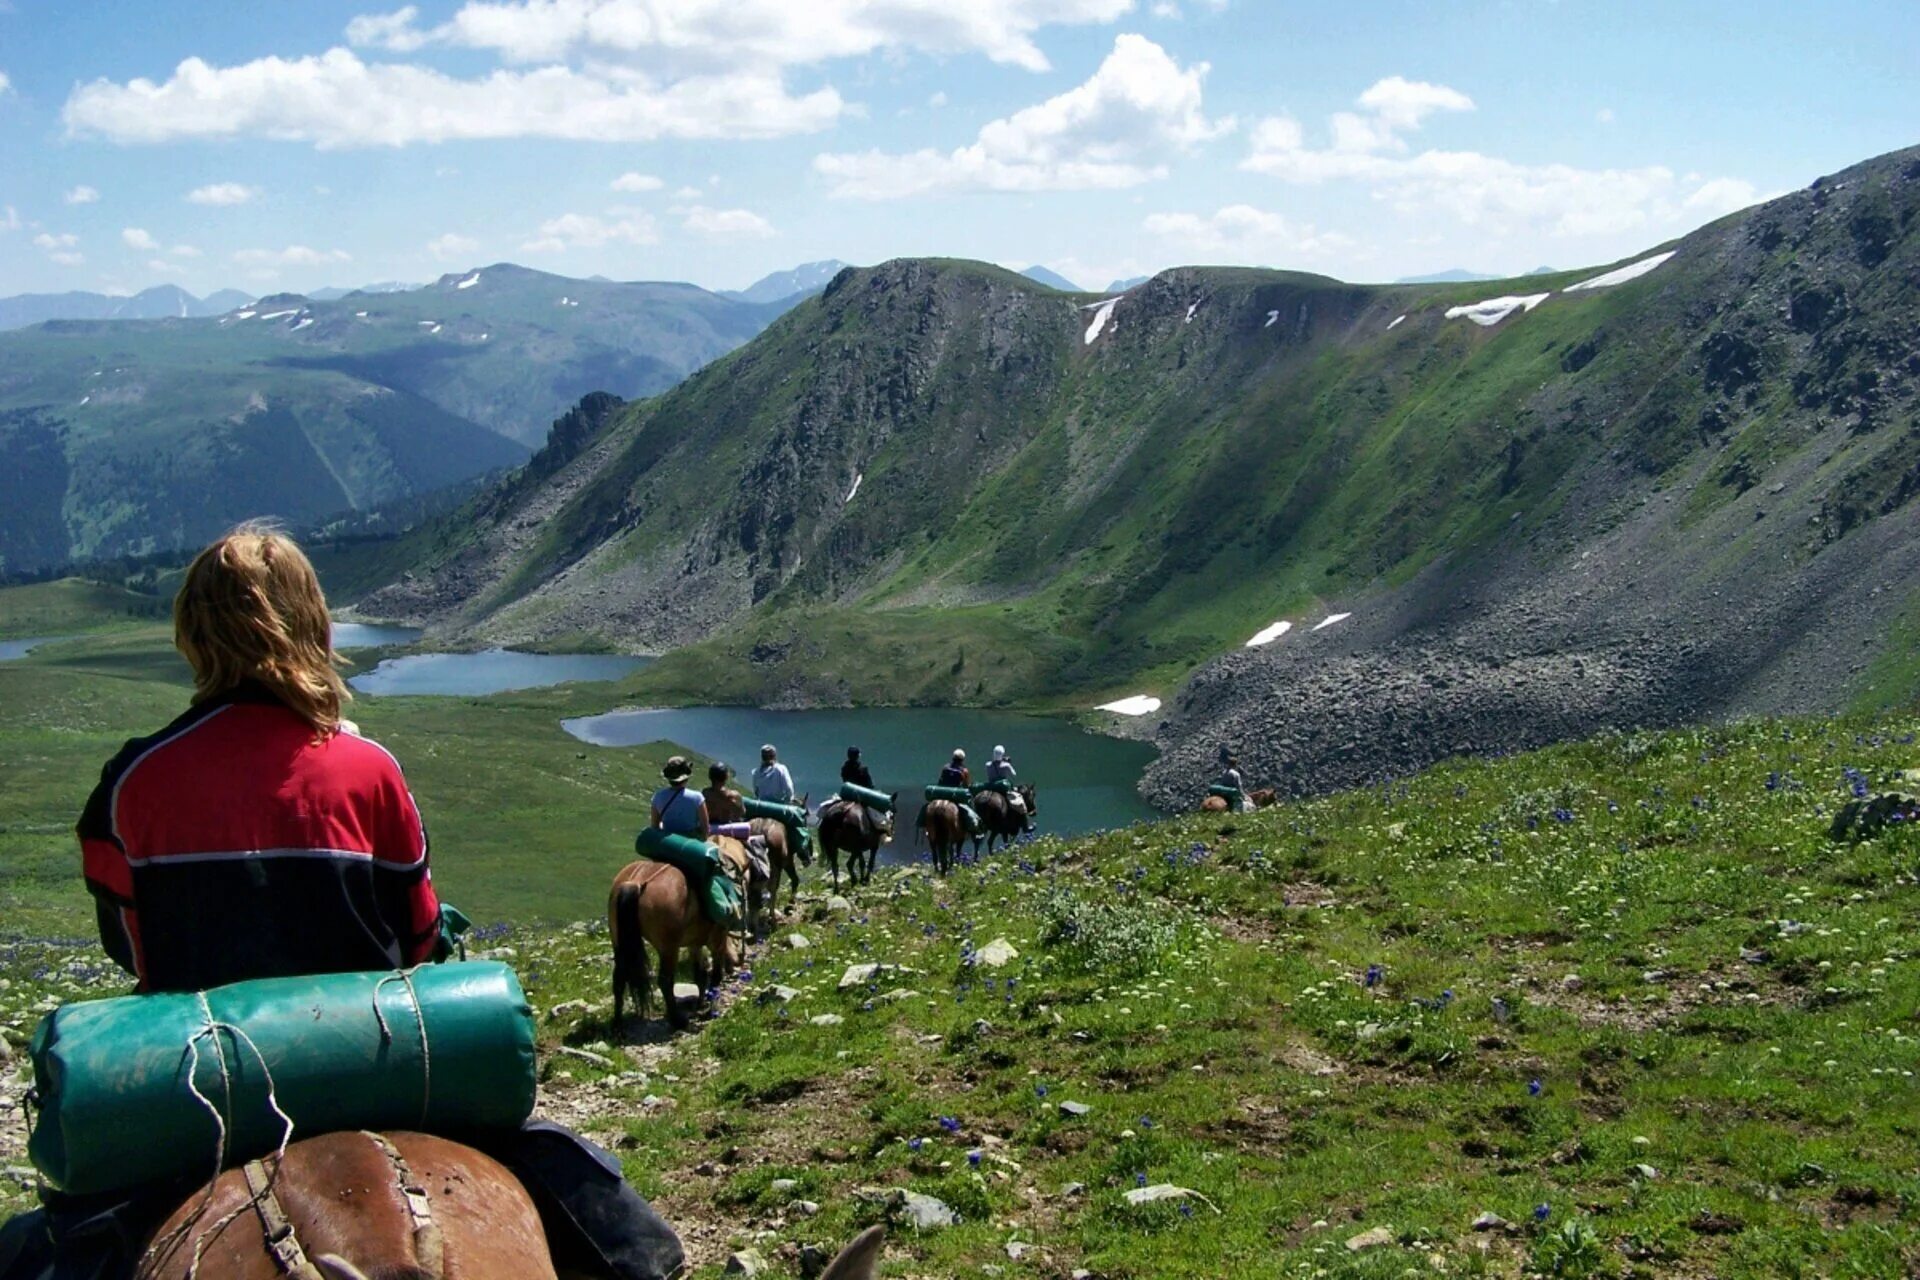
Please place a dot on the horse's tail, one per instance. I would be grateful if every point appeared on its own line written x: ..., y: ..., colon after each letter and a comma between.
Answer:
x: 630, y: 946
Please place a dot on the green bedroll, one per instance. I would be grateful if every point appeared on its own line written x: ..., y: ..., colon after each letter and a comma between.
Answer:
x: 959, y: 795
x: 1004, y: 786
x: 867, y: 796
x: 1225, y: 792
x: 790, y: 816
x: 700, y: 863
x: 128, y: 1088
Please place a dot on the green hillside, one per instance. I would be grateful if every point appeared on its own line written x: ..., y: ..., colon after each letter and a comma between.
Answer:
x: 130, y: 437
x: 1051, y: 508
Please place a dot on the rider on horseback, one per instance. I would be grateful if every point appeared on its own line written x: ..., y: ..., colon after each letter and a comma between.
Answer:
x: 724, y: 804
x: 1000, y: 769
x: 956, y: 773
x: 771, y: 781
x: 259, y: 835
x: 854, y: 770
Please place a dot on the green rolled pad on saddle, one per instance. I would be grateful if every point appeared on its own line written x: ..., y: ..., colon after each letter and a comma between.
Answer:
x: 442, y: 1048
x: 1003, y: 785
x: 867, y: 796
x: 700, y: 863
x: 1226, y: 793
x: 790, y: 816
x: 962, y: 798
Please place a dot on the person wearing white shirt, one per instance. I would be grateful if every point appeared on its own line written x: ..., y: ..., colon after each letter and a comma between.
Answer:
x: 771, y: 781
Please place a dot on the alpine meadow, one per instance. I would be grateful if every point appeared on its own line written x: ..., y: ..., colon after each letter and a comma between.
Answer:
x: 610, y: 669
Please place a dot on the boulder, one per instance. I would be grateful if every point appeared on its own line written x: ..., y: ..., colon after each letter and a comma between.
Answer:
x: 1373, y: 1239
x: 995, y: 954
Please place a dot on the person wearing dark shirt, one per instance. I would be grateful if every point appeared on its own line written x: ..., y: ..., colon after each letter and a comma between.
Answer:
x: 855, y: 770
x: 956, y: 773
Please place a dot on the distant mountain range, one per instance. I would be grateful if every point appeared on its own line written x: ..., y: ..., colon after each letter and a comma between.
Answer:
x: 803, y: 281
x: 1051, y: 279
x: 130, y: 436
x: 1121, y: 286
x: 158, y: 303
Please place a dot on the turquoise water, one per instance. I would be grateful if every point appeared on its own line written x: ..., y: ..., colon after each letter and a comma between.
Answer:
x: 1086, y: 782
x: 363, y: 635
x: 490, y: 671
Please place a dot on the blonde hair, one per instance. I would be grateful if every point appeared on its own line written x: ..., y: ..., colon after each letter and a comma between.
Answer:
x: 251, y: 608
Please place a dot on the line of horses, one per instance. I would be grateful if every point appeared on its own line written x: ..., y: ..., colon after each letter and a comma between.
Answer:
x: 651, y: 903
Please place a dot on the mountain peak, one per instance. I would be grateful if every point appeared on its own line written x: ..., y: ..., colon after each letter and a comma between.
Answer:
x: 1052, y: 279
x: 789, y: 286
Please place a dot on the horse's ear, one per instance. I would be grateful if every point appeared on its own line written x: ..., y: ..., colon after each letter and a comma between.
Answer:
x: 857, y: 1260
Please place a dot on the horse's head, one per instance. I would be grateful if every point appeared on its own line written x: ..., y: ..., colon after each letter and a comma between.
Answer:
x: 1028, y: 794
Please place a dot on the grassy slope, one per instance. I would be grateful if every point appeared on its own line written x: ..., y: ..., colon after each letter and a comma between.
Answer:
x: 70, y: 605
x: 1742, y: 1003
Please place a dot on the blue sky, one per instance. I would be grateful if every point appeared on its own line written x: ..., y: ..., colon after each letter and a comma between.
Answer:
x: 271, y: 146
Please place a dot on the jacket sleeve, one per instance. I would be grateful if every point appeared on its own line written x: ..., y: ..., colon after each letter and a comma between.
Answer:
x: 109, y: 877
x: 402, y: 875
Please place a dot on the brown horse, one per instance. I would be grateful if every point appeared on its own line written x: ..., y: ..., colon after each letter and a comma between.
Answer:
x: 356, y: 1206
x: 1000, y: 820
x: 781, y: 856
x: 651, y: 903
x: 946, y: 832
x: 858, y: 832
x: 1261, y: 799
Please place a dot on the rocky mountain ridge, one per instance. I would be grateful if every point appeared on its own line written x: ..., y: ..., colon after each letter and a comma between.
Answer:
x: 1677, y: 488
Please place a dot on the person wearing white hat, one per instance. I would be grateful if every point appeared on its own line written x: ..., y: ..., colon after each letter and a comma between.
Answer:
x: 1000, y: 769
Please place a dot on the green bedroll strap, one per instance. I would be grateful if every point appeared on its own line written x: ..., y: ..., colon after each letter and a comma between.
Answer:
x: 958, y: 795
x: 867, y: 796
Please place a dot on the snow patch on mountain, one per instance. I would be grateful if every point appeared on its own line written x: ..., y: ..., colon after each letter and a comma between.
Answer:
x: 1494, y: 310
x: 1620, y: 275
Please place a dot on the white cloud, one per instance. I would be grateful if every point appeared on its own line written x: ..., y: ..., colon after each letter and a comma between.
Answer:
x: 294, y: 255
x: 728, y: 224
x: 1116, y: 130
x: 688, y: 193
x: 5, y: 84
x: 49, y: 240
x: 1240, y: 234
x: 223, y: 193
x: 9, y: 218
x: 1724, y: 195
x: 392, y: 31
x: 82, y: 194
x: 636, y: 182
x: 335, y: 101
x: 937, y: 100
x: 754, y: 33
x: 68, y: 259
x: 184, y: 251
x: 1604, y: 115
x: 584, y: 231
x: 161, y: 264
x: 1488, y: 193
x: 140, y: 240
x: 451, y: 247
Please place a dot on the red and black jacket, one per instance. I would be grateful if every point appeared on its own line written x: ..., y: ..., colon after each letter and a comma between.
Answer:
x: 232, y: 845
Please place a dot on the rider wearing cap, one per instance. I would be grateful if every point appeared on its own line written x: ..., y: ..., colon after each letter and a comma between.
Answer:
x: 956, y: 773
x: 1000, y: 769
